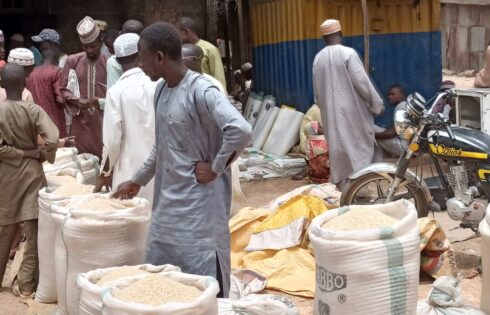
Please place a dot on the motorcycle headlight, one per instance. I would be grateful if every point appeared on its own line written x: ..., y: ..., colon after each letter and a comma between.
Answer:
x: 401, y: 121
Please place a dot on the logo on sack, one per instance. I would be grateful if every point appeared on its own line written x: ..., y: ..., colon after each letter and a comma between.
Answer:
x: 329, y: 281
x: 323, y: 308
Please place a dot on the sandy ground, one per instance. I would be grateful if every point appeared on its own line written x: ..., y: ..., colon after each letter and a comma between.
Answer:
x: 261, y: 193
x: 460, y: 81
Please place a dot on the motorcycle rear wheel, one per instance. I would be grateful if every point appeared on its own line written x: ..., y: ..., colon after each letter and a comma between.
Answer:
x: 352, y: 194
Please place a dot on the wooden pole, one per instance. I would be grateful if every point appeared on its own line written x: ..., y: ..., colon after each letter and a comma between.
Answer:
x: 365, y: 16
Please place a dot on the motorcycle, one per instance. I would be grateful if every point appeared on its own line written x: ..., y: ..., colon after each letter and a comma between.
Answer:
x: 466, y: 152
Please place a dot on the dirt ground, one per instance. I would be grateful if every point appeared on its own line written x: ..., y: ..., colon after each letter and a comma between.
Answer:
x: 460, y: 81
x: 260, y: 193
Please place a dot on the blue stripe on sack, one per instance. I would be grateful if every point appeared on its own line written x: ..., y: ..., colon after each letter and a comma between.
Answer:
x: 343, y: 210
x: 385, y: 233
x: 398, y: 276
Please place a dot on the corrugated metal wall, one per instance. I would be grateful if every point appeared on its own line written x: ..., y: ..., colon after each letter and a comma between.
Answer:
x: 405, y: 44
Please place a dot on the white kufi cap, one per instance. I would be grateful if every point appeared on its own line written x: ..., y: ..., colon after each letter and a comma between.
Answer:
x: 126, y: 45
x: 21, y: 56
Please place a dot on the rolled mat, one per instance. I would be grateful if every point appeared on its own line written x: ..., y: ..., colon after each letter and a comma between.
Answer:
x: 285, y: 132
x: 261, y: 132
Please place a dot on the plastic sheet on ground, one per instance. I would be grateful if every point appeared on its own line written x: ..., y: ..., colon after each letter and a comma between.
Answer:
x: 289, y: 270
x: 287, y: 227
x: 257, y: 165
x: 263, y: 304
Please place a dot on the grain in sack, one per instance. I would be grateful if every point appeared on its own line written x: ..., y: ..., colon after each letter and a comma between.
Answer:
x: 114, y: 235
x: 94, y: 282
x: 374, y: 270
x: 173, y: 293
x: 46, y: 241
x: 65, y: 176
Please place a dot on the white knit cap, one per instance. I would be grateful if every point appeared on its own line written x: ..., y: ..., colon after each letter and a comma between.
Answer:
x: 21, y: 56
x: 126, y: 45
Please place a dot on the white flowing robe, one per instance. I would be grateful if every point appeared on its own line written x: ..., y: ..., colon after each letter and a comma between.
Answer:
x: 129, y: 127
x: 347, y: 100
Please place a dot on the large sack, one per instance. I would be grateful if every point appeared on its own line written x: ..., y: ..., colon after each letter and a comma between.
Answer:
x: 445, y: 299
x: 89, y: 164
x: 101, y: 239
x: 60, y: 263
x: 370, y: 271
x: 485, y: 257
x: 263, y: 304
x: 65, y: 158
x: 46, y: 290
x: 91, y: 292
x: 205, y: 304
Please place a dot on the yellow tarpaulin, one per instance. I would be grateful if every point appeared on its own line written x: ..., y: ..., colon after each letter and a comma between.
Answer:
x: 290, y: 270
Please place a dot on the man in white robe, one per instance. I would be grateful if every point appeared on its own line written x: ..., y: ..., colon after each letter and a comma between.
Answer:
x: 129, y: 119
x: 347, y: 100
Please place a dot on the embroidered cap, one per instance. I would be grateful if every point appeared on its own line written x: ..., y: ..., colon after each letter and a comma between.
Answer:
x: 126, y: 45
x: 21, y: 56
x: 87, y: 30
x: 330, y: 27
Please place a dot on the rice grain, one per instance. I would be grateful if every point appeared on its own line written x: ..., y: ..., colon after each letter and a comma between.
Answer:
x: 100, y: 204
x: 359, y: 219
x: 119, y: 273
x: 156, y: 290
x: 73, y: 189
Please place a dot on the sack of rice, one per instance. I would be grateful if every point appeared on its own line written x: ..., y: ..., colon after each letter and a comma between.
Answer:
x: 60, y: 263
x: 65, y: 158
x: 64, y: 176
x: 46, y: 291
x: 174, y: 293
x: 90, y: 167
x: 100, y: 232
x: 93, y: 283
x: 257, y: 304
x: 367, y: 259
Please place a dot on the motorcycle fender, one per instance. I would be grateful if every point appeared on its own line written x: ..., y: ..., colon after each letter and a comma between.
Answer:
x: 384, y: 169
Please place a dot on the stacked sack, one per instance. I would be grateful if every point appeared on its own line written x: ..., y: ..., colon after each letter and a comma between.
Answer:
x: 367, y: 259
x: 95, y: 232
x: 89, y: 165
x: 66, y: 158
x: 62, y: 184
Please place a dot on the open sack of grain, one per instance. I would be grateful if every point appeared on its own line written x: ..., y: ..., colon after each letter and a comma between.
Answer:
x: 97, y: 232
x: 65, y: 158
x: 174, y: 293
x: 65, y: 176
x: 367, y: 259
x: 93, y: 283
x: 46, y: 290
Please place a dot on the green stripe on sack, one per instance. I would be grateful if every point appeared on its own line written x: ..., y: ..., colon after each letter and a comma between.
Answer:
x: 398, y: 276
x: 343, y: 210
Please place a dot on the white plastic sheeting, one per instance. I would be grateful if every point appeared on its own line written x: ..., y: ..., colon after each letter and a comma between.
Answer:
x: 264, y: 126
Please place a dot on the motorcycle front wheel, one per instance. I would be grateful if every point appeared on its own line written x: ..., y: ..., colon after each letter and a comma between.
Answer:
x: 372, y: 188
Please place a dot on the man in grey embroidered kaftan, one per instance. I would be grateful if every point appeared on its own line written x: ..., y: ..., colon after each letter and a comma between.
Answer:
x: 198, y: 135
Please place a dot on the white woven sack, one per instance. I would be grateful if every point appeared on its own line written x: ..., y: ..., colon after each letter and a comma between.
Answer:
x: 484, y: 229
x: 89, y: 164
x: 73, y: 172
x: 90, y: 292
x: 370, y: 271
x: 257, y: 304
x: 65, y: 158
x: 205, y: 304
x: 58, y: 216
x: 46, y: 290
x: 101, y: 239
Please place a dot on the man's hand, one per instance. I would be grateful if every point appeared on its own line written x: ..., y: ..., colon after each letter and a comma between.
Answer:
x: 103, y: 181
x: 33, y: 154
x: 88, y: 103
x: 126, y: 190
x: 66, y: 142
x: 204, y: 172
